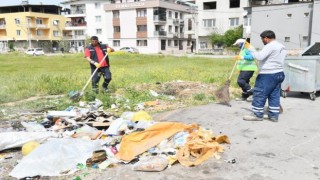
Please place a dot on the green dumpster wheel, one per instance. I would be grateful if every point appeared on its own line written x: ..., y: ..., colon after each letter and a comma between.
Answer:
x: 283, y: 93
x: 313, y: 96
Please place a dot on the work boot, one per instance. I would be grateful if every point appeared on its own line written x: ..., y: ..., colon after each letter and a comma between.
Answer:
x: 105, y: 90
x: 241, y: 99
x: 252, y: 118
x: 249, y: 99
x: 95, y: 90
x: 272, y: 119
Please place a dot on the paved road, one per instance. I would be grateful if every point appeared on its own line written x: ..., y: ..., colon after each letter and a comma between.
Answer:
x: 287, y: 150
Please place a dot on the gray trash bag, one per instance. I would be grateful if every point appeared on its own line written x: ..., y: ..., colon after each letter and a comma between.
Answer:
x: 55, y: 158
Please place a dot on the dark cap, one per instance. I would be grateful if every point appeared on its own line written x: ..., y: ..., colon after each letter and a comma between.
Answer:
x: 94, y: 38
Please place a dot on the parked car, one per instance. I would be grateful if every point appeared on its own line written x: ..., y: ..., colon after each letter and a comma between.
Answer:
x: 130, y: 49
x: 35, y: 51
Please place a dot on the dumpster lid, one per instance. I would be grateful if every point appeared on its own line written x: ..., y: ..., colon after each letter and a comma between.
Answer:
x: 312, y: 50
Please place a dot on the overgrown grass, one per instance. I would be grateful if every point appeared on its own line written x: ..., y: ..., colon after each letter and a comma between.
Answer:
x: 24, y: 76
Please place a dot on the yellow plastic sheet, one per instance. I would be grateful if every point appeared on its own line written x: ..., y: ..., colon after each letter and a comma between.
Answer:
x: 139, y: 142
x: 200, y: 146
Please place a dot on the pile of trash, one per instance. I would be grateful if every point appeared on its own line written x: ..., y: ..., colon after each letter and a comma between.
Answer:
x: 90, y: 137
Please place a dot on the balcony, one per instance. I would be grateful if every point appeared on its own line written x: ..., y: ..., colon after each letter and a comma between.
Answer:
x: 176, y: 21
x: 116, y: 35
x: 116, y: 21
x: 142, y: 34
x: 160, y: 33
x: 76, y: 13
x: 159, y: 19
x: 2, y: 26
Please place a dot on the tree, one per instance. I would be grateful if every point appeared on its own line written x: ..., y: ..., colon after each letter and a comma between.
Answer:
x: 217, y: 39
x: 231, y: 35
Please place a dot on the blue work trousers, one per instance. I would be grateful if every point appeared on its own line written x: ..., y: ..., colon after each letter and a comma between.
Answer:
x: 267, y: 87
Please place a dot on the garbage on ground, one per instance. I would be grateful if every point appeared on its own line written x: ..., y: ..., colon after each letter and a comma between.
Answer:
x: 153, y: 163
x: 87, y: 137
x: 29, y: 147
x: 56, y: 157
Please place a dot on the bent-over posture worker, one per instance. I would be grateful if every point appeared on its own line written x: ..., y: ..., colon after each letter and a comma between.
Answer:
x: 95, y: 53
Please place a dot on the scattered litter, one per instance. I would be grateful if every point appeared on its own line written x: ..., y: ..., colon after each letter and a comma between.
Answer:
x: 153, y: 163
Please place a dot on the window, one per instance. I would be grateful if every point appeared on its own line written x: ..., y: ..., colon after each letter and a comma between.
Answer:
x: 169, y: 42
x: 175, y: 43
x: 18, y: 32
x: 98, y: 18
x: 17, y: 20
x: 233, y: 22
x: 286, y: 39
x: 116, y: 43
x: 289, y: 15
x: 160, y: 14
x: 209, y: 5
x: 305, y: 38
x: 116, y: 29
x: 97, y: 5
x: 209, y: 23
x: 189, y: 24
x: 39, y: 21
x: 176, y: 29
x: 142, y: 28
x: 234, y: 3
x: 176, y: 15
x: 116, y: 14
x: 79, y: 32
x: 181, y: 16
x: 98, y: 31
x: 56, y: 33
x: 247, y: 22
x: 142, y: 43
x: 170, y: 29
x: 170, y: 15
x: 55, y: 22
x: 306, y: 14
x: 141, y: 12
x: 39, y: 32
x: 203, y: 45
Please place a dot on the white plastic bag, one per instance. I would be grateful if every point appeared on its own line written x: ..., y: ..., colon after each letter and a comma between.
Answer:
x: 56, y: 157
x: 17, y: 139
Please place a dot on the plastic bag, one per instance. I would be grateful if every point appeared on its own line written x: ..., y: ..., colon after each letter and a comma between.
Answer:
x: 17, y: 139
x: 55, y: 158
x: 153, y: 163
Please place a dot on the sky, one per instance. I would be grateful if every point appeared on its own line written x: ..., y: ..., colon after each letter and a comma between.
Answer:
x: 17, y: 2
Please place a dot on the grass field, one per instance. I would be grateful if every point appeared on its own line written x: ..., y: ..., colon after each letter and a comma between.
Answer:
x: 24, y: 76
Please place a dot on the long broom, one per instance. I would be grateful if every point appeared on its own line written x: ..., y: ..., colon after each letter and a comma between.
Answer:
x: 76, y: 95
x: 223, y: 94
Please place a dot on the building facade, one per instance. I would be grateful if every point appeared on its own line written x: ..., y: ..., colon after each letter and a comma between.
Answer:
x: 151, y: 26
x: 87, y: 18
x: 26, y: 26
x: 295, y: 23
x: 217, y: 17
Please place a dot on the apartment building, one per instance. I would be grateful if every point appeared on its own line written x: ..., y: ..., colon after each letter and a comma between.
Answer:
x: 217, y: 16
x: 87, y: 18
x: 295, y: 22
x: 152, y: 26
x: 25, y: 26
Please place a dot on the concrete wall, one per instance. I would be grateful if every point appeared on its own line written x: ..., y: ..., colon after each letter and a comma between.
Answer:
x: 276, y: 18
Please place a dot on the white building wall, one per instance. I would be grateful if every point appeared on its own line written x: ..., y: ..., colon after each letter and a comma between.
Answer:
x: 288, y: 21
x: 221, y: 14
